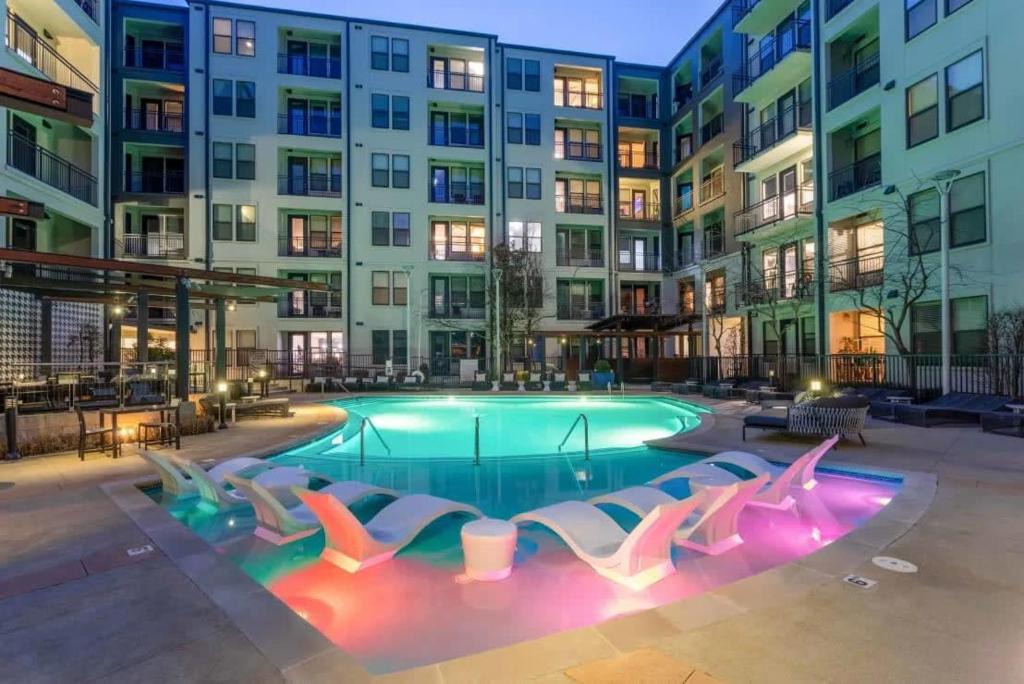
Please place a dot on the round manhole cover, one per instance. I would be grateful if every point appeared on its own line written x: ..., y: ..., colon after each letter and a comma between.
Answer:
x: 894, y: 564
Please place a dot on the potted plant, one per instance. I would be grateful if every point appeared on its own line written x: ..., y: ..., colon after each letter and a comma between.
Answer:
x: 492, y: 375
x: 603, y: 375
x: 521, y: 378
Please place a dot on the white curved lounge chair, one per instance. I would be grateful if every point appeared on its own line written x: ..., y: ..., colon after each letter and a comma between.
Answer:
x: 353, y: 547
x: 174, y: 476
x: 636, y: 559
x: 278, y: 523
x: 210, y: 483
x: 773, y: 495
x: 713, y: 530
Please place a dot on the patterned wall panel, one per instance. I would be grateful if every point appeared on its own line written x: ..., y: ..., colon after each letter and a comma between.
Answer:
x: 78, y: 332
x: 19, y: 333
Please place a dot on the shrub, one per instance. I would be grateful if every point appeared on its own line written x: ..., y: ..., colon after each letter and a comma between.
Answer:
x: 602, y: 366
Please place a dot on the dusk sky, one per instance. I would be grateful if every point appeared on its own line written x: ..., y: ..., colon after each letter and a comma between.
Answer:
x: 645, y: 31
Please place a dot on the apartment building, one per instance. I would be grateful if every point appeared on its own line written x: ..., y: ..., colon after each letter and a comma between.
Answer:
x: 56, y: 163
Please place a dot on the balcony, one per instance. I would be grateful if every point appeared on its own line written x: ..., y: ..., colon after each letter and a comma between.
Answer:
x: 834, y: 7
x: 858, y: 273
x: 774, y: 287
x: 308, y: 246
x: 43, y: 165
x: 154, y: 246
x: 446, y: 79
x: 307, y: 65
x: 578, y: 151
x: 646, y: 158
x: 447, y: 309
x: 586, y: 258
x: 682, y: 95
x: 712, y: 70
x: 23, y: 41
x: 647, y: 307
x: 145, y: 120
x: 159, y: 57
x: 155, y: 182
x: 304, y: 304
x: 633, y: 262
x: 682, y: 205
x: 774, y: 211
x: 311, y: 125
x: 776, y: 67
x: 684, y: 150
x: 446, y: 251
x: 579, y: 99
x: 712, y: 128
x: 637, y: 106
x: 311, y: 185
x: 858, y: 176
x: 639, y: 211
x: 572, y: 312
x: 853, y: 82
x: 714, y: 241
x: 579, y: 203
x: 458, y: 193
x: 774, y: 140
x: 90, y: 7
x: 759, y: 17
x: 713, y: 187
x: 715, y: 299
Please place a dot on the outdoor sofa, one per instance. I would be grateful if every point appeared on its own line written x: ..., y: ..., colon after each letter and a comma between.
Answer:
x: 825, y: 417
x: 955, y: 407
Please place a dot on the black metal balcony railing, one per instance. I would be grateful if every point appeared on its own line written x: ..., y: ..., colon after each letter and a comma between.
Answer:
x: 853, y: 82
x: 314, y: 125
x: 834, y: 7
x: 741, y: 8
x: 570, y: 312
x: 795, y: 37
x: 712, y: 70
x: 450, y: 80
x: 644, y: 159
x: 773, y: 131
x: 714, y: 241
x: 459, y: 311
x: 29, y: 158
x: 858, y: 176
x: 647, y: 262
x: 858, y: 273
x: 154, y: 245
x: 167, y: 57
x: 446, y: 251
x: 796, y: 202
x: 301, y: 65
x: 90, y: 7
x: 578, y: 151
x: 647, y: 307
x: 713, y: 127
x: 713, y: 187
x: 579, y: 100
x: 637, y: 106
x: 588, y: 258
x: 143, y: 120
x: 681, y: 96
x: 458, y: 193
x: 682, y: 205
x: 157, y: 183
x: 310, y: 185
x: 684, y: 149
x: 314, y: 304
x: 308, y: 246
x: 773, y: 287
x: 579, y: 203
x: 24, y: 41
x: 715, y: 299
x: 639, y: 211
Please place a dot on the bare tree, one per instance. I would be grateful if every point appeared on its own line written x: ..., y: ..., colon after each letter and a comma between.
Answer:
x: 1006, y: 344
x: 523, y: 294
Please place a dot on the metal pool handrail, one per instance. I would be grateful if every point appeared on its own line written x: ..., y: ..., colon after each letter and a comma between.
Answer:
x: 362, y: 439
x: 586, y: 434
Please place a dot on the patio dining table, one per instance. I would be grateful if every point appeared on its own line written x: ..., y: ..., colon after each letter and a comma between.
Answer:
x: 162, y: 409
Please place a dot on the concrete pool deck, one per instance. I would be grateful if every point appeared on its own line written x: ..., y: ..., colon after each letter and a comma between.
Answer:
x: 77, y: 606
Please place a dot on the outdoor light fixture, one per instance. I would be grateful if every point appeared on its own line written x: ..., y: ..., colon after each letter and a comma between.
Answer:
x: 118, y: 310
x: 222, y: 392
x: 231, y: 305
x: 815, y: 385
x: 152, y: 370
x: 565, y: 340
x: 943, y: 181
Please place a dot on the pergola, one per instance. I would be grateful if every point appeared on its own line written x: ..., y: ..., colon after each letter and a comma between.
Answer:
x: 638, y: 325
x: 113, y: 282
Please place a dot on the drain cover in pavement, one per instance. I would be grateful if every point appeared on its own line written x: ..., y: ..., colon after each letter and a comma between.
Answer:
x: 894, y: 564
x: 861, y: 582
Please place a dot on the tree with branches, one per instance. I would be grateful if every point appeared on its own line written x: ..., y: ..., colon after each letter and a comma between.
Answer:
x: 520, y: 308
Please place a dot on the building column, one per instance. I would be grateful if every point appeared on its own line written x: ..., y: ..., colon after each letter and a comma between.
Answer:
x: 182, y: 316
x: 113, y: 352
x: 220, y: 340
x: 142, y: 327
x: 46, y: 331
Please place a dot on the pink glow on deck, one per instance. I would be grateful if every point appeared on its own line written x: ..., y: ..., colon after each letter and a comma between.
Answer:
x: 414, y: 610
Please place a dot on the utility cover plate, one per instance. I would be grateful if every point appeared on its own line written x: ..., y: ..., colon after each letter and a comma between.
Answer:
x: 894, y: 564
x: 139, y: 550
x: 860, y: 582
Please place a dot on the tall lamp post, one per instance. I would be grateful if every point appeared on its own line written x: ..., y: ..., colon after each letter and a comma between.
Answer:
x: 943, y: 183
x: 497, y: 323
x: 408, y: 318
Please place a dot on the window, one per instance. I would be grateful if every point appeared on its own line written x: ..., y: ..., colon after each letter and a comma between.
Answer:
x: 400, y: 345
x: 400, y: 112
x: 531, y: 80
x: 920, y: 16
x: 245, y: 227
x: 400, y: 224
x: 967, y: 211
x: 524, y: 235
x: 969, y: 322
x: 532, y: 184
x: 222, y: 36
x: 379, y: 53
x: 245, y: 161
x: 379, y: 110
x: 515, y: 128
x: 381, y: 284
x: 245, y: 38
x: 222, y: 160
x: 399, y: 54
x: 923, y: 111
x: 965, y: 92
x: 380, y: 222
x: 380, y: 170
x: 400, y: 171
x: 222, y: 102
x: 514, y: 73
x: 222, y: 222
x: 515, y: 182
x: 245, y: 339
x: 954, y: 5
x: 400, y: 288
x: 809, y: 341
x: 457, y: 241
x: 532, y: 129
x: 924, y: 222
x: 245, y: 99
x: 380, y: 340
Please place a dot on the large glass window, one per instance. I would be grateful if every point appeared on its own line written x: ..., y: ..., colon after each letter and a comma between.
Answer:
x: 400, y: 170
x: 923, y: 111
x: 533, y: 183
x: 245, y: 226
x: 245, y: 38
x: 222, y: 99
x: 524, y: 235
x: 400, y: 112
x: 399, y: 288
x: 379, y: 53
x: 222, y: 215
x: 379, y: 116
x: 380, y: 282
x: 967, y: 210
x: 380, y: 222
x: 515, y: 128
x: 532, y: 129
x: 515, y: 182
x: 969, y: 326
x: 965, y: 92
x: 380, y: 170
x: 222, y: 160
x: 514, y: 73
x: 245, y: 95
x: 531, y: 79
x: 245, y: 161
x: 399, y: 54
x: 222, y: 37
x: 920, y: 16
x: 400, y: 228
x: 381, y: 343
x: 924, y: 221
